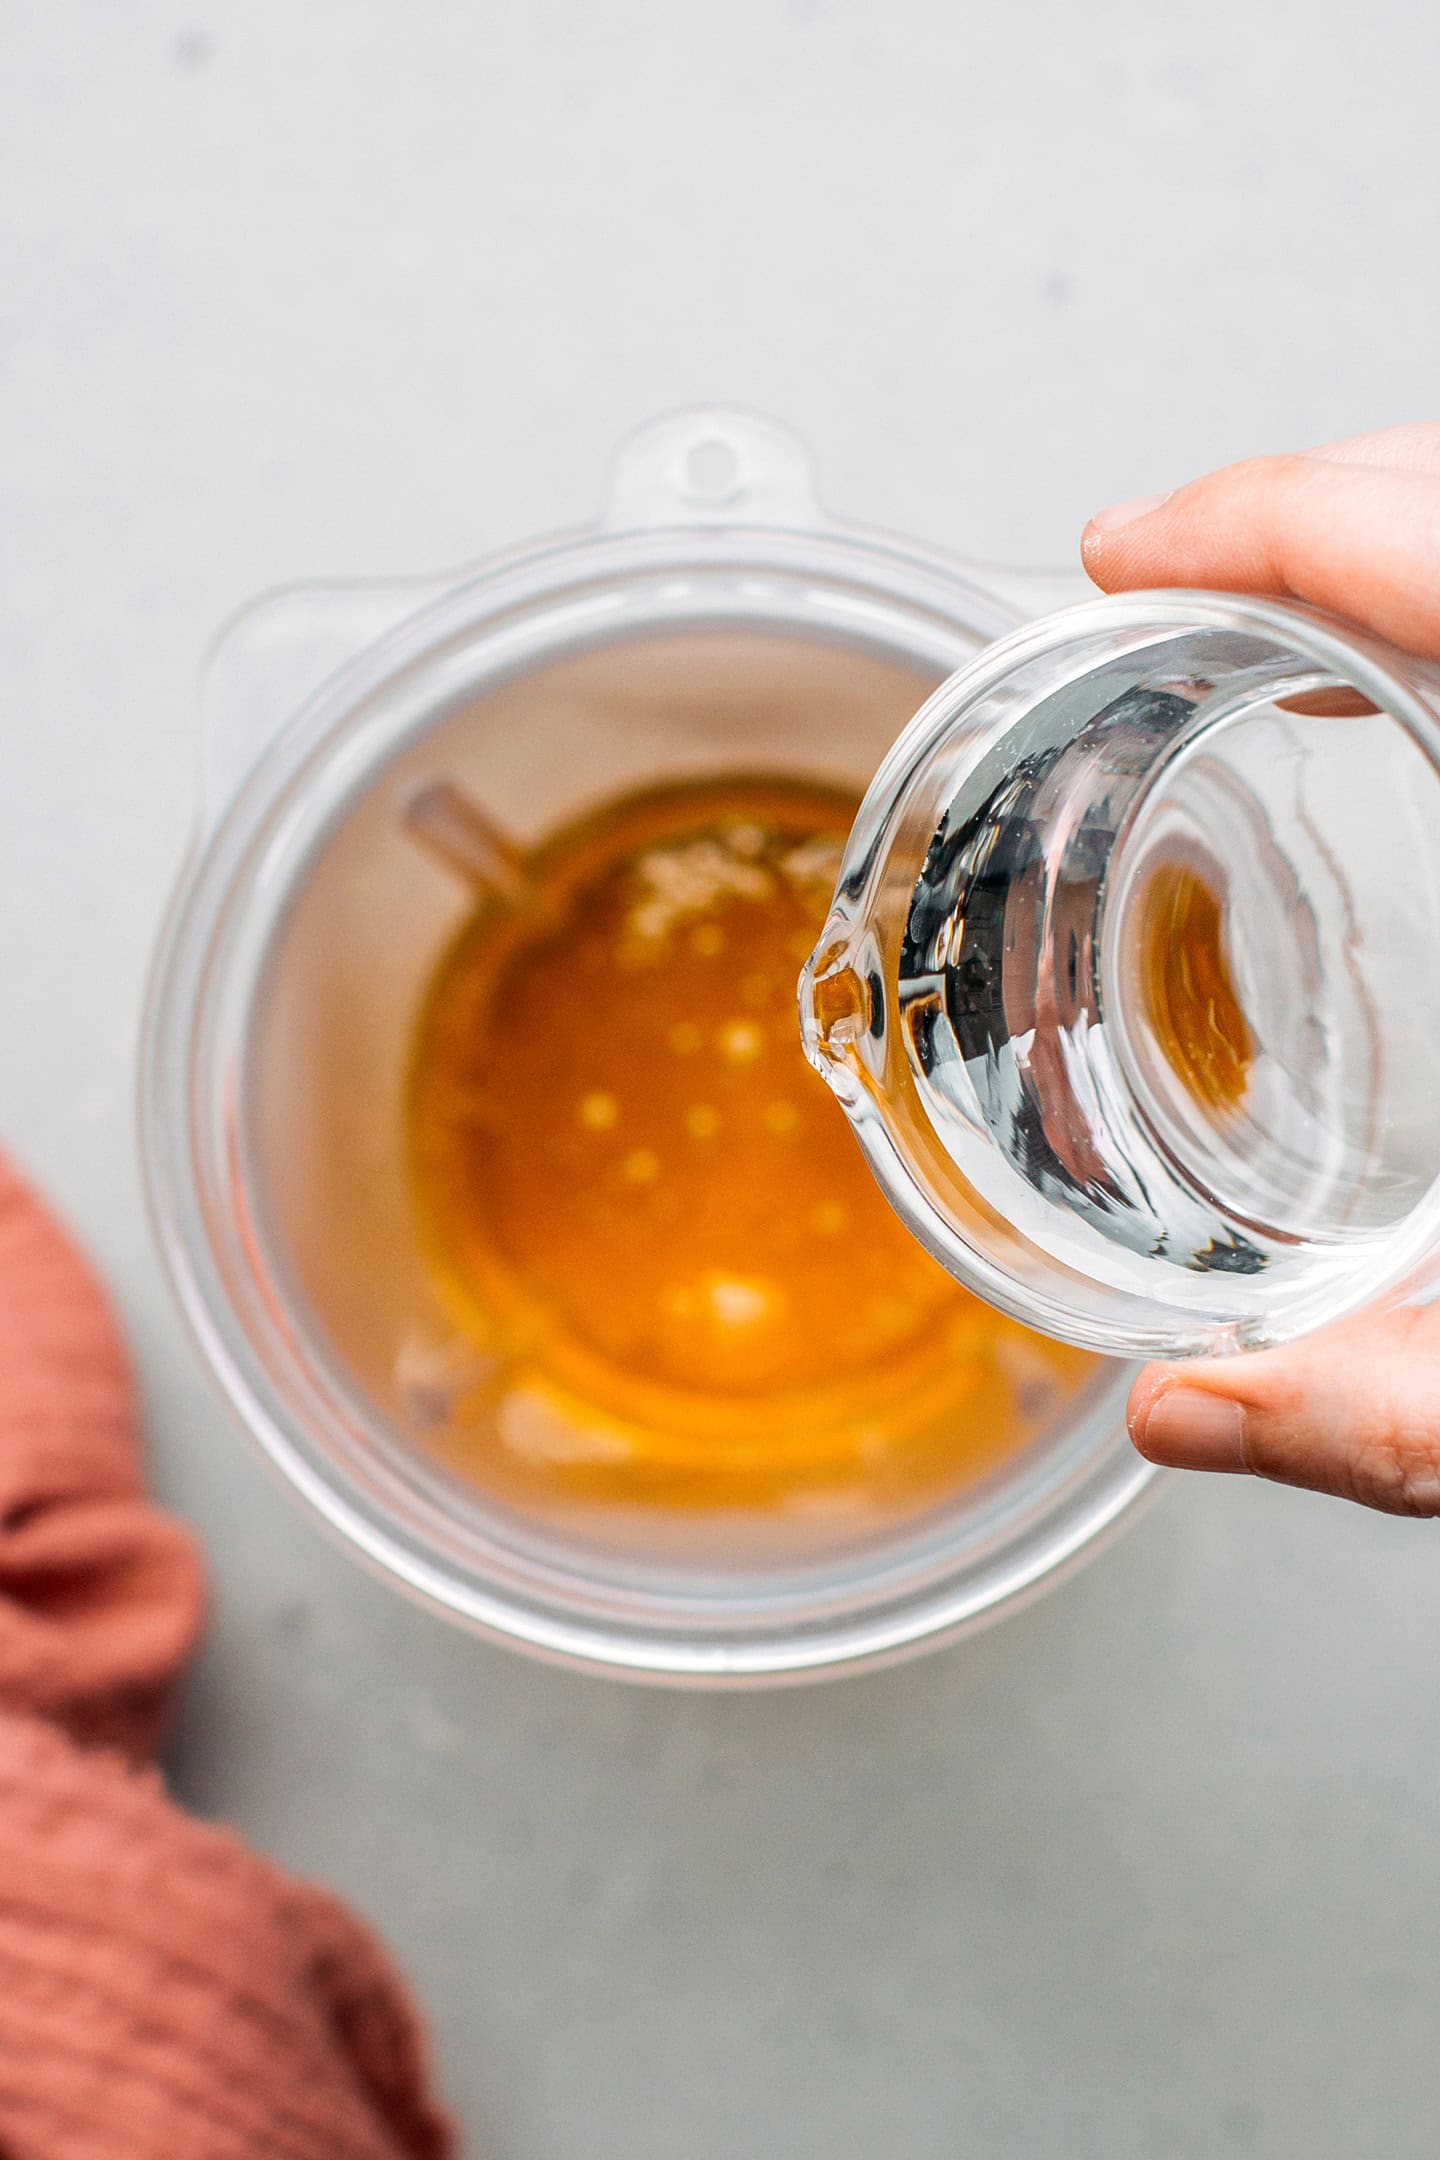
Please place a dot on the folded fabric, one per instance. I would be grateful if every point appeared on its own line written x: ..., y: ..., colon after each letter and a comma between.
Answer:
x: 164, y: 1991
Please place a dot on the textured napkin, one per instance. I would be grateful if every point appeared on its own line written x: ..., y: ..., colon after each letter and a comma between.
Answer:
x: 164, y: 1991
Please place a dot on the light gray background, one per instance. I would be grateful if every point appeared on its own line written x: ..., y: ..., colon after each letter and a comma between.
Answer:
x: 305, y: 287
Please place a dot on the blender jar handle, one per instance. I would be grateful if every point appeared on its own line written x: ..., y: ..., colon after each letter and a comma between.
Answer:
x: 271, y: 657
x: 712, y: 465
x: 709, y: 467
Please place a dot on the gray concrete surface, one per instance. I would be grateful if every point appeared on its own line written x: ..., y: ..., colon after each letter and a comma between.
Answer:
x: 343, y: 287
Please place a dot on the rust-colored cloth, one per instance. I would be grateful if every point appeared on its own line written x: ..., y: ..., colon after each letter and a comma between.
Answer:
x: 165, y: 1994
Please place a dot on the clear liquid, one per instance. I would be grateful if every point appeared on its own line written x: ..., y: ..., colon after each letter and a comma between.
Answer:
x: 1169, y: 984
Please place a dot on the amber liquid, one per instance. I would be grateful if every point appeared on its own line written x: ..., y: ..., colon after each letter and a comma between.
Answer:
x: 647, y: 1215
x: 1191, y: 1004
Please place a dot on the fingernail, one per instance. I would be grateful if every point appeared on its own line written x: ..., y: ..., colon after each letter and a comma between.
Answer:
x: 1125, y: 513
x: 1187, y: 1429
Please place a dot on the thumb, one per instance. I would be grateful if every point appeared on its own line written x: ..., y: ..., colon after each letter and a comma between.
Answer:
x: 1354, y: 1411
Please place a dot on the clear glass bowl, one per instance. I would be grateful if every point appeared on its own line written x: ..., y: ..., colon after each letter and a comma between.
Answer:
x: 656, y: 647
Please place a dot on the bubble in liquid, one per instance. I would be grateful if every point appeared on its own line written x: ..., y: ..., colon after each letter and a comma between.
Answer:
x: 741, y: 1041
x: 736, y: 1303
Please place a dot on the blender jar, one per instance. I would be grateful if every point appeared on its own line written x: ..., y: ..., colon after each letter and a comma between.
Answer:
x: 716, y: 621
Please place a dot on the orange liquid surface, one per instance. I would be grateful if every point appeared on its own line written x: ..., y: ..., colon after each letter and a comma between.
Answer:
x: 1189, y: 991
x: 647, y: 1215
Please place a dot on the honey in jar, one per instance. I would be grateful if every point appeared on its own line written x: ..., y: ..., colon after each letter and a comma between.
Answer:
x: 1188, y: 989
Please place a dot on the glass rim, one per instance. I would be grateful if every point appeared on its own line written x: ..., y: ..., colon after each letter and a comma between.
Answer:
x: 1403, y: 688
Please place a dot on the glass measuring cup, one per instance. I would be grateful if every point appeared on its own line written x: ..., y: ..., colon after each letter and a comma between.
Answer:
x: 716, y: 621
x: 1131, y: 986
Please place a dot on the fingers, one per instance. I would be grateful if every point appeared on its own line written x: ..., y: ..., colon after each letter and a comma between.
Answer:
x: 1360, y: 538
x: 1414, y: 447
x: 1354, y: 1412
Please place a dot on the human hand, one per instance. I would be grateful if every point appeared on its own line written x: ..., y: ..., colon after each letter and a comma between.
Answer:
x: 1353, y: 527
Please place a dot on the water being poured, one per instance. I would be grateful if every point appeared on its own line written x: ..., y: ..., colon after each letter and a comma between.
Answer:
x: 1130, y: 983
x: 1158, y: 954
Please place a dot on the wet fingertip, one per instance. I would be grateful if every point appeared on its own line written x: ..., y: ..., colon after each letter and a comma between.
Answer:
x: 1105, y: 524
x: 1091, y: 544
x: 1149, y: 1383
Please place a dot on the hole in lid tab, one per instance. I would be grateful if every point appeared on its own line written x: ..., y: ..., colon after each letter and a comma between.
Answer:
x: 711, y: 470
